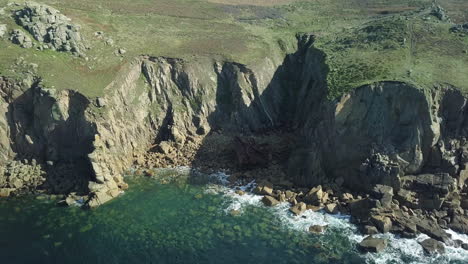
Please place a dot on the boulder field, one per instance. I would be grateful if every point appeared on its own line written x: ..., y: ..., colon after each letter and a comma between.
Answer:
x: 391, y: 154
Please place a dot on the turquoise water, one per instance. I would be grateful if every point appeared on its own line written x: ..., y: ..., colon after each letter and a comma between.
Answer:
x: 177, y: 223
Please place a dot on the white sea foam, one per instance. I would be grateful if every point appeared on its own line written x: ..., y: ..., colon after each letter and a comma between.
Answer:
x: 399, y: 250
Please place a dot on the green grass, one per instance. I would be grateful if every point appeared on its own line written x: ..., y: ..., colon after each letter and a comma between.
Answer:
x: 363, y: 40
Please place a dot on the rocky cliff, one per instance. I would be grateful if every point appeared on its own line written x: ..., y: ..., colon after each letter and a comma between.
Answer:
x: 377, y: 134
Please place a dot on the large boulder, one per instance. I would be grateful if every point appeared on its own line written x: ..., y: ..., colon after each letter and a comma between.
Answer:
x: 384, y: 193
x: 314, y: 196
x: 432, y: 246
x: 383, y: 223
x: 332, y: 208
x: 372, y: 244
x: 299, y: 208
x: 264, y: 188
x: 441, y: 183
x: 459, y: 223
x: 360, y: 209
x: 433, y: 230
x: 269, y: 201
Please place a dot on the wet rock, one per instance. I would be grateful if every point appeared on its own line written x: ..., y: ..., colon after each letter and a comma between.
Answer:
x: 282, y: 198
x: 369, y: 230
x: 464, y: 246
x: 459, y: 223
x: 269, y: 201
x: 317, y: 229
x: 98, y: 199
x: 432, y: 246
x: 240, y: 192
x: 264, y: 188
x: 371, y: 244
x: 234, y: 212
x: 407, y: 224
x: 314, y: 207
x: 433, y: 230
x: 314, y: 196
x: 383, y: 223
x: 299, y: 208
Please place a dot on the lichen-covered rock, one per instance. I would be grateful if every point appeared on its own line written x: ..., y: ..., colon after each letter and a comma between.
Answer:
x: 3, y: 30
x: 20, y: 38
x: 460, y: 28
x: 439, y: 12
x: 48, y: 25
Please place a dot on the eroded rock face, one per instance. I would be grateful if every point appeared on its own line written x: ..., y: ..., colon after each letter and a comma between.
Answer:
x: 47, y: 25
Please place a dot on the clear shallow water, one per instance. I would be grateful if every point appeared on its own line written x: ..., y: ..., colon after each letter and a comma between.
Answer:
x: 182, y: 223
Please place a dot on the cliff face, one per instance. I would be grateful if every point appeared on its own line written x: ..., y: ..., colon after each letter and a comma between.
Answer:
x: 381, y: 132
x: 375, y: 135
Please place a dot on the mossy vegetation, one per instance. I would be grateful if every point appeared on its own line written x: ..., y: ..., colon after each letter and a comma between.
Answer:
x: 365, y: 41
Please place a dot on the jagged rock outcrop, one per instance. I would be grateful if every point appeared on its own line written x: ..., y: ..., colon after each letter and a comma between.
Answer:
x: 20, y: 38
x: 439, y: 12
x: 48, y: 26
x: 460, y: 28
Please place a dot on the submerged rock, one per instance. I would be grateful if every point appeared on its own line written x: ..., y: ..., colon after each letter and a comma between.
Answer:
x: 371, y: 244
x: 317, y: 229
x: 299, y: 208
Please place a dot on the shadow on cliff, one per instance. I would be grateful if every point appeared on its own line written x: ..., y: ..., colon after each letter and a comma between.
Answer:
x: 60, y: 139
x: 274, y: 114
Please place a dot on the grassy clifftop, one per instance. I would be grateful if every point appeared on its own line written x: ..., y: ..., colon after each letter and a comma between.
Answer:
x: 365, y: 41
